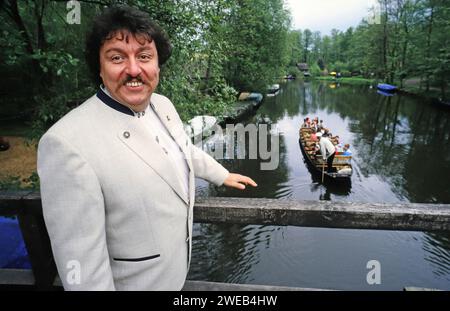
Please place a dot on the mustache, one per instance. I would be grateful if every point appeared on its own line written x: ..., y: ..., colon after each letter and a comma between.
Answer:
x: 136, y: 79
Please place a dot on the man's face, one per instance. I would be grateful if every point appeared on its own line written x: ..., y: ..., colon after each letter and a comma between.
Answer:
x: 129, y: 69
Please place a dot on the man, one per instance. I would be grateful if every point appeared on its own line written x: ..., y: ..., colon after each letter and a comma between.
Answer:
x: 327, y: 150
x: 117, y: 173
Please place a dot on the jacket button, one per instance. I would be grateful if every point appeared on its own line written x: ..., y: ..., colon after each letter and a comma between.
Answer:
x: 126, y: 134
x: 168, y: 118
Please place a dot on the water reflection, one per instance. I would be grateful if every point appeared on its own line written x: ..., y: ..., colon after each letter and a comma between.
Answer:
x: 270, y: 182
x: 401, y: 146
x: 400, y: 139
x: 227, y: 253
x: 437, y: 248
x: 401, y: 153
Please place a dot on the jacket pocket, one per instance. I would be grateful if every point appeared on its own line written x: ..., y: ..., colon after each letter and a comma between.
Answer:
x: 137, y: 259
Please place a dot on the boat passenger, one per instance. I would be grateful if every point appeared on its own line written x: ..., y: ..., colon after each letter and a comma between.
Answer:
x: 320, y: 126
x: 346, y: 150
x: 306, y: 123
x: 315, y: 124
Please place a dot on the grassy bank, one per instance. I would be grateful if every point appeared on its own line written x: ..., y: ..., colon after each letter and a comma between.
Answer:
x: 350, y: 80
x: 18, y: 164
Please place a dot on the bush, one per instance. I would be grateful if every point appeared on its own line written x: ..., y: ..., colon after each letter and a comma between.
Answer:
x: 315, y: 70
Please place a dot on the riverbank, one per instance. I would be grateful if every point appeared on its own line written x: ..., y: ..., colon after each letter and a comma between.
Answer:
x: 240, y: 110
x: 201, y: 127
x: 349, y: 80
x: 433, y: 95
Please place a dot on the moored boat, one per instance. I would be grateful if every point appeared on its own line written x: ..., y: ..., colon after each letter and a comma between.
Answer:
x: 290, y: 77
x: 386, y: 87
x: 273, y: 89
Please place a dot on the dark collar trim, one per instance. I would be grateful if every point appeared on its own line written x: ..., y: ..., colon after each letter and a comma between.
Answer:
x: 114, y: 104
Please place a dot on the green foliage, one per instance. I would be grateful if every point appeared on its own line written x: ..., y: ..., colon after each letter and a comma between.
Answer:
x: 338, y: 66
x: 219, y: 47
x: 258, y: 50
x: 14, y: 183
x: 61, y: 63
x: 315, y: 70
x: 293, y: 70
x: 10, y: 183
x: 411, y: 40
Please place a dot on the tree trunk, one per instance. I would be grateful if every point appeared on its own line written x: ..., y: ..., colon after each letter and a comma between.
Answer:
x: 39, y: 13
x: 13, y: 11
x: 428, y: 56
x: 405, y: 45
x: 385, y: 41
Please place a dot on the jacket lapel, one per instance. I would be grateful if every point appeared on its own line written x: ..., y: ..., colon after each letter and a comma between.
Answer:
x: 180, y: 137
x: 177, y: 133
x: 136, y: 137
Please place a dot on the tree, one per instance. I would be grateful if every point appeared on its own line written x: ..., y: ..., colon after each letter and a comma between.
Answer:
x: 307, y: 40
x: 256, y: 27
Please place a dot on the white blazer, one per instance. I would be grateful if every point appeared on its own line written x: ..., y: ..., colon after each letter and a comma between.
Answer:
x: 113, y: 204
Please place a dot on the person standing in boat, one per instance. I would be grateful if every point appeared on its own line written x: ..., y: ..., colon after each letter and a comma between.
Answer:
x: 327, y: 150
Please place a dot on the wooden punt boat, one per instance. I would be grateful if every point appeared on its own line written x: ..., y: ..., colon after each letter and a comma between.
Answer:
x: 342, y: 166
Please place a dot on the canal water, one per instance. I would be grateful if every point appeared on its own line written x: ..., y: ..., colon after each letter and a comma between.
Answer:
x: 401, y: 153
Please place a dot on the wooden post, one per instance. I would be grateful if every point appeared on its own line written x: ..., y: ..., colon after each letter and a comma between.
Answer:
x: 29, y: 213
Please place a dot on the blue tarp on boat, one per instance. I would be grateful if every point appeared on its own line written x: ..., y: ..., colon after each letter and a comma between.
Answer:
x: 13, y: 253
x: 386, y: 87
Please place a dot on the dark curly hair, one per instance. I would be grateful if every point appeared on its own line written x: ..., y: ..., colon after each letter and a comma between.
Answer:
x: 123, y: 18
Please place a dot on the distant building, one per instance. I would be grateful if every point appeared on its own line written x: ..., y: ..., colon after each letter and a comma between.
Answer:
x: 303, y: 67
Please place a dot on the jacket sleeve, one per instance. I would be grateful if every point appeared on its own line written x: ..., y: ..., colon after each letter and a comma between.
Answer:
x: 74, y: 215
x: 206, y: 167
